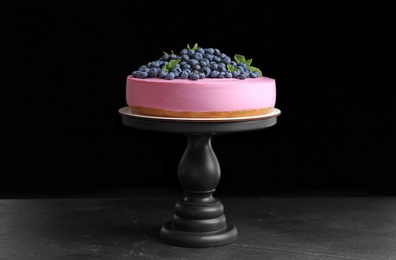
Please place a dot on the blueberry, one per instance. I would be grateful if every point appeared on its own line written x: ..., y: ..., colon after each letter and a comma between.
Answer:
x: 242, y: 76
x: 206, y: 70
x: 190, y: 52
x: 143, y: 74
x: 197, y: 55
x: 208, y: 56
x: 156, y: 64
x: 200, y: 50
x: 153, y: 72
x: 186, y: 66
x: 188, y: 71
x: 162, y: 74
x: 176, y: 70
x: 216, y: 59
x: 221, y: 67
x: 243, y: 64
x: 226, y: 60
x: 173, y: 57
x: 214, y: 73
x: 213, y: 66
x: 203, y: 63
x: 183, y: 52
x: 193, y: 62
x: 185, y: 57
x: 235, y: 73
x: 196, y: 67
x: 228, y: 74
x: 170, y: 76
x: 209, y: 51
x: 194, y: 75
x: 253, y: 74
x: 184, y: 74
x: 165, y: 57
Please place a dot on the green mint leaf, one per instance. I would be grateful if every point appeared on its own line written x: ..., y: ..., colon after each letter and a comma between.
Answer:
x: 231, y: 68
x: 256, y: 70
x: 170, y: 65
x: 239, y: 58
x: 193, y: 48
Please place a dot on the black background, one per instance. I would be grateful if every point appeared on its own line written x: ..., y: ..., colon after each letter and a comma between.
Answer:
x: 63, y: 71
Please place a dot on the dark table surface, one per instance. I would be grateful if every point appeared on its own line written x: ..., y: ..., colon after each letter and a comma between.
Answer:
x: 274, y: 227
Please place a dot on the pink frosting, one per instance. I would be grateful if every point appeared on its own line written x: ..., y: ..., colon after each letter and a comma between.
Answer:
x: 201, y: 95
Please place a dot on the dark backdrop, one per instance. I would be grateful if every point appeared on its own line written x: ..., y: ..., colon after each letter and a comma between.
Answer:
x: 63, y: 71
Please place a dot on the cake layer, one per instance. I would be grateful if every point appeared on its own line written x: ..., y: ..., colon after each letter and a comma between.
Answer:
x: 183, y: 114
x: 200, y: 98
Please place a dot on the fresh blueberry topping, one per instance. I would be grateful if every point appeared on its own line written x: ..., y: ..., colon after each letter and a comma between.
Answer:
x: 196, y: 63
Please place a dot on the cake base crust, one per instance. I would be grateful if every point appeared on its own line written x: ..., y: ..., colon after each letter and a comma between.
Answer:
x: 186, y: 114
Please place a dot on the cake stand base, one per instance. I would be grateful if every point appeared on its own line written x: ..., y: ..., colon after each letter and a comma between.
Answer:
x: 172, y: 236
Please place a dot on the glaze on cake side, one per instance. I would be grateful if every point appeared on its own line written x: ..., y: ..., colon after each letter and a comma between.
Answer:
x: 204, y: 98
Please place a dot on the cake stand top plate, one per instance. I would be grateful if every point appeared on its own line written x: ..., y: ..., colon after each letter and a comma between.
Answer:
x: 198, y: 125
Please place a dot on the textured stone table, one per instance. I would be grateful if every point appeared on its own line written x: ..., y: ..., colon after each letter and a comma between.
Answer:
x: 296, y: 228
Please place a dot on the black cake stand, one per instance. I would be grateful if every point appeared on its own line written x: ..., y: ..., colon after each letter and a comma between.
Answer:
x: 198, y: 219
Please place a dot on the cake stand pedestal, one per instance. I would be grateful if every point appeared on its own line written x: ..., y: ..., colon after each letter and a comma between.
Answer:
x: 198, y: 219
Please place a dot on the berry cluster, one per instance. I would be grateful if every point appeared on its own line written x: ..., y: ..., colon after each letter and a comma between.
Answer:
x: 198, y: 63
